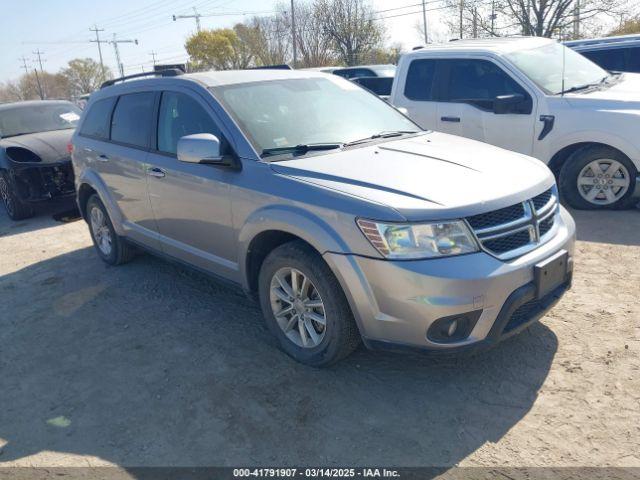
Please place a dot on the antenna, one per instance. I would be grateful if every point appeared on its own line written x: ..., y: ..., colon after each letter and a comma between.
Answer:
x: 564, y: 52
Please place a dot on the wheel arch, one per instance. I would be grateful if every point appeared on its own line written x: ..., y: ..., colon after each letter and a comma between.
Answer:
x: 570, y: 145
x: 89, y: 183
x: 270, y: 227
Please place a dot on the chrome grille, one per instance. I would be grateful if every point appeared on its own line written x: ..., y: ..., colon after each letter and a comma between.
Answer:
x: 519, y: 228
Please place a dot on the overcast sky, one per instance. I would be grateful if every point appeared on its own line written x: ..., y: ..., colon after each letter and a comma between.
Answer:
x: 61, y: 29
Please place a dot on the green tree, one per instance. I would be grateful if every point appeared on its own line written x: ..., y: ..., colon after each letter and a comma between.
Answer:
x: 84, y: 75
x: 219, y: 49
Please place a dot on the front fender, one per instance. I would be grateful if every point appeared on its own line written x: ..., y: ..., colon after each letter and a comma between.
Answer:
x: 296, y: 221
x: 596, y: 136
x: 91, y: 178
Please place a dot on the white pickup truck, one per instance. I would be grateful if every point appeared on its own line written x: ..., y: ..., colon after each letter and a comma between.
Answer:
x: 511, y: 92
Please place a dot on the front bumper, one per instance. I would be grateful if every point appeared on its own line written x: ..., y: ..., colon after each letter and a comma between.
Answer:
x: 395, y: 302
x: 37, y: 183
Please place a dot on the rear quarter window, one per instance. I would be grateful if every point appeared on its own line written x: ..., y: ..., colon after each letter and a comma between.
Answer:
x: 420, y: 79
x: 96, y: 123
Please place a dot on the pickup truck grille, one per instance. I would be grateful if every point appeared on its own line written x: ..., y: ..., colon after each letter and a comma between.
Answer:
x: 517, y: 229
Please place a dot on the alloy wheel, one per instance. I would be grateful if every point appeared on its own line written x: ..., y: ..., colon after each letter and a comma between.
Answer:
x: 101, y: 231
x: 298, y: 307
x: 603, y: 181
x: 6, y: 196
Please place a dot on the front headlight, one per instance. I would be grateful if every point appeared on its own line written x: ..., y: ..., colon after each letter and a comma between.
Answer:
x: 419, y: 240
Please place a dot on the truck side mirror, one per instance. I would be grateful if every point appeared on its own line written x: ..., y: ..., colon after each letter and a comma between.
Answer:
x: 505, y: 104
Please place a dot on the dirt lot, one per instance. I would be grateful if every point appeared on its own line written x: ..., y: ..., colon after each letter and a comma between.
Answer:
x: 152, y: 364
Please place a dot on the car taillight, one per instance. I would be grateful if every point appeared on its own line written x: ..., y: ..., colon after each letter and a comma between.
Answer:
x: 69, y: 148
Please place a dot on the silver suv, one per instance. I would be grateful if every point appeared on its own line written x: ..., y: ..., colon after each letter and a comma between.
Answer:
x: 344, y: 218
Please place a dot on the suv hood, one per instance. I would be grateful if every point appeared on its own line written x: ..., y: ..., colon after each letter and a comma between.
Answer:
x: 430, y: 176
x: 49, y: 146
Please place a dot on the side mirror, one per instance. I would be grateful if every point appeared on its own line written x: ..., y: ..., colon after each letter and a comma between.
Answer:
x: 504, y: 104
x: 201, y: 148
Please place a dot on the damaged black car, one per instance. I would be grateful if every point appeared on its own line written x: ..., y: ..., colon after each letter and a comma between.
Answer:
x: 35, y: 156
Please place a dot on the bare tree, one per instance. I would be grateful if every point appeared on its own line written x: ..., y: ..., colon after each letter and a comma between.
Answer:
x: 271, y: 43
x: 313, y: 41
x: 541, y: 18
x: 352, y: 27
x: 84, y: 75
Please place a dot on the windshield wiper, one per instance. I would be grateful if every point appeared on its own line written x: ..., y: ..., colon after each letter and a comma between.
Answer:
x: 386, y: 134
x: 300, y: 149
x: 578, y: 88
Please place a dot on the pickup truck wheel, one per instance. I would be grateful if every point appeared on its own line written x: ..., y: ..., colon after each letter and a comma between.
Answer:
x: 111, y: 248
x: 16, y: 208
x: 598, y: 177
x: 305, y: 307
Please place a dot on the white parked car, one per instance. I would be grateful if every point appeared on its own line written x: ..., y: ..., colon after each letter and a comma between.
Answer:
x: 511, y: 92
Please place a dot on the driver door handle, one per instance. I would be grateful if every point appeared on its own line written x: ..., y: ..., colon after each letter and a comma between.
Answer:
x: 450, y: 119
x: 156, y: 172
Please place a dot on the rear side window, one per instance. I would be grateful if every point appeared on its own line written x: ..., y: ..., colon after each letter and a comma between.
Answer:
x: 610, y: 59
x: 420, y: 79
x: 181, y: 115
x: 96, y: 124
x: 131, y: 122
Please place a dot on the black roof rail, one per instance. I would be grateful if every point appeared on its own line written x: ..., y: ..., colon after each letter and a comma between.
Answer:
x: 282, y: 66
x: 169, y: 72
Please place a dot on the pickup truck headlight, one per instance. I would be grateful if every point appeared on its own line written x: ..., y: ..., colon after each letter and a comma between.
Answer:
x: 405, y: 241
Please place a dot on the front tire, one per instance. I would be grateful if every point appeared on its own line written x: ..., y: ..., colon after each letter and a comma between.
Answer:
x: 598, y: 177
x: 16, y: 208
x: 111, y: 248
x: 305, y: 307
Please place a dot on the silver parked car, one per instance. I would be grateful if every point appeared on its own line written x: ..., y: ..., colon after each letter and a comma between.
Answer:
x: 343, y: 217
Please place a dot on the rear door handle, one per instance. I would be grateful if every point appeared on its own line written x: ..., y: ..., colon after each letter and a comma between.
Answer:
x: 156, y: 172
x: 450, y: 119
x: 103, y: 158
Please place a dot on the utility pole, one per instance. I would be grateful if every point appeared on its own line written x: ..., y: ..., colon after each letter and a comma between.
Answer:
x: 475, y: 22
x: 576, y: 20
x: 424, y: 21
x: 40, y: 90
x: 461, y: 15
x: 493, y: 18
x: 115, y: 43
x: 293, y: 33
x: 41, y: 87
x: 39, y: 54
x: 98, y: 41
x: 195, y: 15
x: 153, y: 55
x: 24, y: 65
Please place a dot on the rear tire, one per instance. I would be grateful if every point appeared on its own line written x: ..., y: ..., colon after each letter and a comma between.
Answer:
x: 16, y: 208
x: 312, y: 334
x: 112, y: 248
x: 598, y: 177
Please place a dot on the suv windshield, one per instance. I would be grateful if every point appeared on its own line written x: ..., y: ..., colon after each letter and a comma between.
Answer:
x: 24, y: 119
x: 544, y: 65
x: 300, y: 112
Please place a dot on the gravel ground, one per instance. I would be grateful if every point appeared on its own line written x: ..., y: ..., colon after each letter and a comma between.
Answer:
x: 152, y: 364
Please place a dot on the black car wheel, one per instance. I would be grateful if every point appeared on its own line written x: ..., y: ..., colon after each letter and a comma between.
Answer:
x: 598, y: 177
x: 305, y: 307
x: 16, y: 208
x: 112, y: 248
